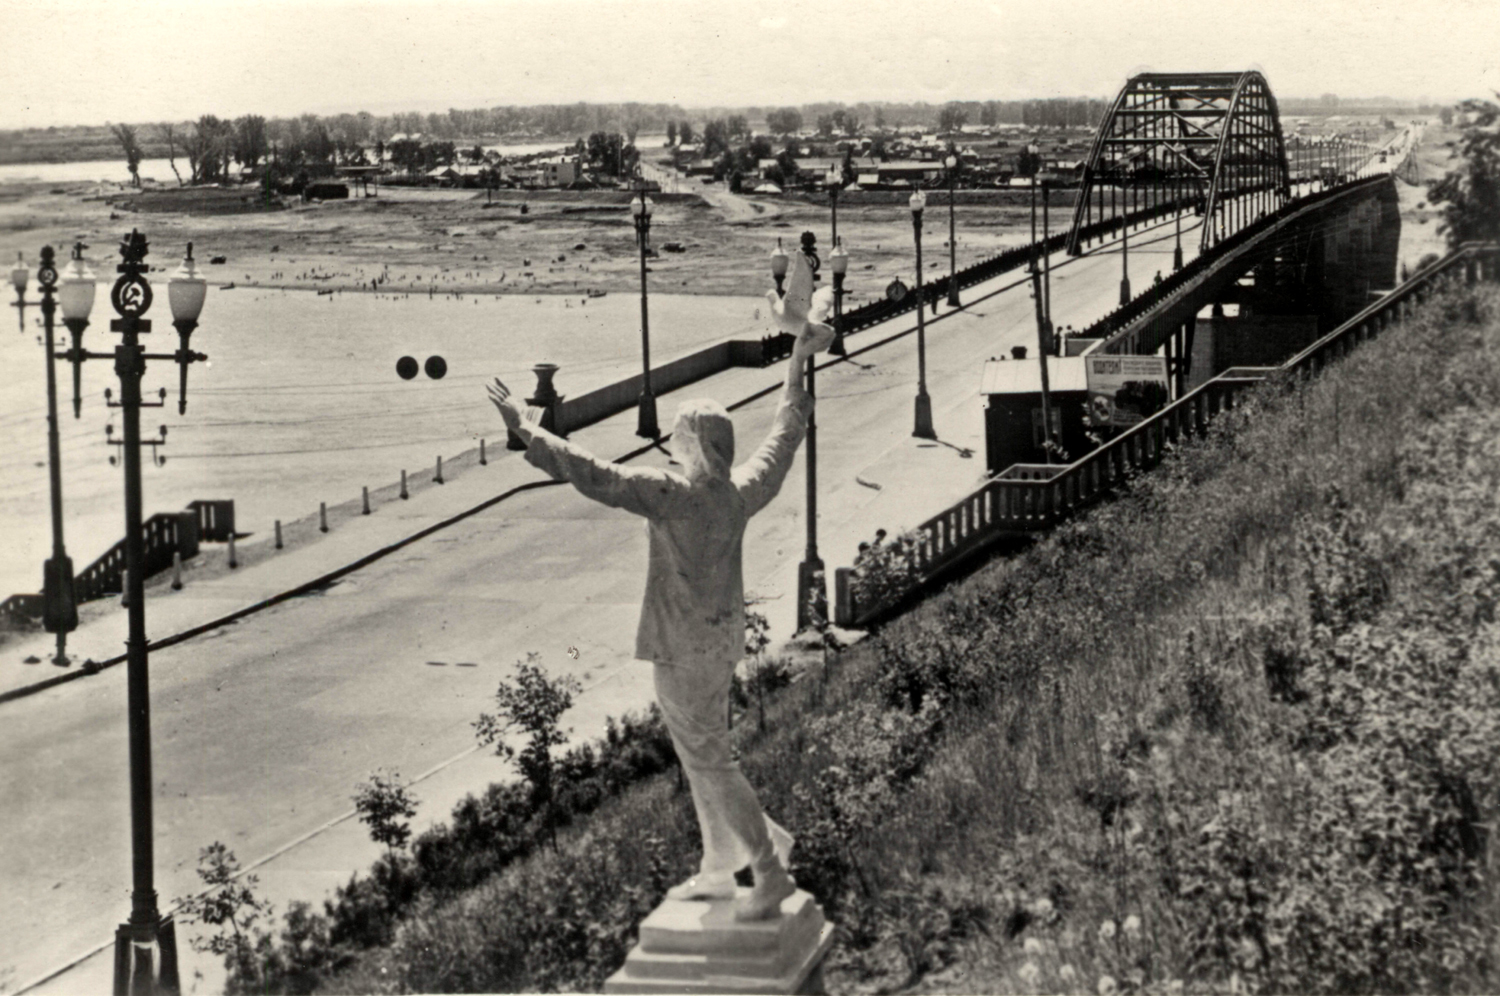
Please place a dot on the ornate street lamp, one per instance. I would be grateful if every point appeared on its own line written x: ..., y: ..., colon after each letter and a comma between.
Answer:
x: 59, y: 603
x: 146, y: 945
x: 19, y: 275
x: 951, y: 165
x: 922, y: 428
x: 779, y: 260
x: 833, y: 181
x: 640, y: 211
x: 812, y: 590
x: 838, y: 262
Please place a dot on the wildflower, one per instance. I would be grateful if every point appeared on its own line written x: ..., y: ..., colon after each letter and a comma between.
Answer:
x: 1174, y: 987
x: 1107, y: 986
x: 1066, y: 973
x: 1030, y: 974
x: 1107, y: 930
x: 1032, y: 946
x: 1132, y: 925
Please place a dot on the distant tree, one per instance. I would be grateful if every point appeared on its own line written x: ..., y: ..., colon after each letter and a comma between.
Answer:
x: 878, y: 149
x: 168, y: 134
x: 989, y: 114
x: 126, y: 136
x: 738, y: 126
x: 406, y: 154
x: 685, y: 132
x: 1446, y: 115
x: 1028, y: 161
x: 761, y: 148
x: 605, y: 149
x: 786, y: 162
x: 715, y: 138
x: 1471, y: 191
x: 846, y: 168
x: 208, y: 148
x: 671, y: 132
x: 851, y: 124
x: 825, y: 124
x: 784, y: 121
x: 880, y: 117
x: 249, y: 140
x: 952, y: 117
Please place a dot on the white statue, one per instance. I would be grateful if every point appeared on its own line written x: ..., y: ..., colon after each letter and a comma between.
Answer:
x: 693, y: 619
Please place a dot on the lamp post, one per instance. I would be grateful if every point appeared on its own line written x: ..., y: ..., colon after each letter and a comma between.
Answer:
x: 1046, y: 256
x: 1043, y: 334
x: 1125, y: 261
x: 59, y: 604
x: 779, y: 260
x: 640, y: 211
x: 1031, y: 264
x: 950, y: 164
x: 838, y: 261
x: 146, y: 945
x: 840, y: 264
x: 18, y: 277
x: 812, y: 590
x: 923, y: 422
x: 1177, y: 252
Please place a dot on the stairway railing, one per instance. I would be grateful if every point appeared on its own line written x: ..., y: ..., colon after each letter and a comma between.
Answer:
x: 1027, y: 499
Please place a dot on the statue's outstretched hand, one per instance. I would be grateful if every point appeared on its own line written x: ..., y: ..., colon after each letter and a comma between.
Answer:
x: 512, y: 411
x: 802, y: 311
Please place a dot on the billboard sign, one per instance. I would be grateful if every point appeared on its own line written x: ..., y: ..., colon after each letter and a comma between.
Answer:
x: 1125, y: 390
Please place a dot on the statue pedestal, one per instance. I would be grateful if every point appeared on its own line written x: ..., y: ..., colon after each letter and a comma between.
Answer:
x: 698, y: 947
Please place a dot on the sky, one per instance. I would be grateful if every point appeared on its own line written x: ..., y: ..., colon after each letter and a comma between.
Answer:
x: 93, y: 61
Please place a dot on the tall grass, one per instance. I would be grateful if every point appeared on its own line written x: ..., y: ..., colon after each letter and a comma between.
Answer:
x: 1235, y: 730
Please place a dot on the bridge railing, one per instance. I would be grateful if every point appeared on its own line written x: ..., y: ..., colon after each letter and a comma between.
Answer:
x: 1146, y: 301
x: 1033, y: 498
x: 1014, y: 258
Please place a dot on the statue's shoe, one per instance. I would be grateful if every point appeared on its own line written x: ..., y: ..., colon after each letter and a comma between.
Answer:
x: 764, y: 901
x: 717, y: 886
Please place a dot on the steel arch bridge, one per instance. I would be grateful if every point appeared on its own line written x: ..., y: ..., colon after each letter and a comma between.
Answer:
x: 1173, y: 142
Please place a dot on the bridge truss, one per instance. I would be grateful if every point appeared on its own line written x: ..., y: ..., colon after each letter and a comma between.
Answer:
x: 1210, y: 143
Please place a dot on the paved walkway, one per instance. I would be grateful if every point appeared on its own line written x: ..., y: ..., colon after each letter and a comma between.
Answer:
x: 263, y: 728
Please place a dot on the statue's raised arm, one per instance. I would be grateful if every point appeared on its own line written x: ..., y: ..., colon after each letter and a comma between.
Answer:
x: 692, y: 624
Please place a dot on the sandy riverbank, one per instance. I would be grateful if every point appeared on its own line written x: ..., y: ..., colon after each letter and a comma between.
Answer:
x: 459, y: 241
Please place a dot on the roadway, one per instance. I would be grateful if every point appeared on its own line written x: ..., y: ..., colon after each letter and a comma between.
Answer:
x: 263, y: 728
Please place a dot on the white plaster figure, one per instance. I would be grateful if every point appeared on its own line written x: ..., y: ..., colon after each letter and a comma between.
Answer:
x: 692, y: 625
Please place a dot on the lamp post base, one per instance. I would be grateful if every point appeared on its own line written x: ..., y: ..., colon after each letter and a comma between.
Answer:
x: 812, y: 595
x: 1177, y: 258
x: 953, y: 301
x: 1125, y: 291
x: 146, y: 959
x: 838, y: 348
x: 646, y: 427
x: 923, y: 428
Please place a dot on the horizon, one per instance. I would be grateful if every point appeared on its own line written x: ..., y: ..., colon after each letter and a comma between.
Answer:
x: 279, y: 60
